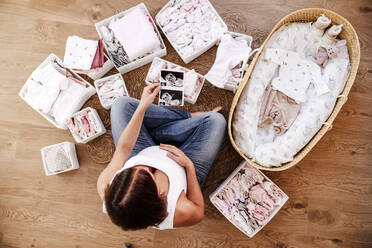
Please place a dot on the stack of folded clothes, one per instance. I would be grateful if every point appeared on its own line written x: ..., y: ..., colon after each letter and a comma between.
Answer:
x: 190, y: 26
x: 130, y: 36
x: 248, y: 199
x: 85, y: 125
x: 55, y: 91
x: 59, y: 158
x: 83, y: 55
x: 109, y: 89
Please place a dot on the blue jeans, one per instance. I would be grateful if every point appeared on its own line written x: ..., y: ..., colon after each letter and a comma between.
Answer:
x: 199, y: 137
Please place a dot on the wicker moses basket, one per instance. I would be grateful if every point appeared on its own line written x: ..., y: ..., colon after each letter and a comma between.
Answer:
x: 348, y: 33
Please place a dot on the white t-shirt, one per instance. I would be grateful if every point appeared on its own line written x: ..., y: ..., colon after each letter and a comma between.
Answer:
x: 157, y: 158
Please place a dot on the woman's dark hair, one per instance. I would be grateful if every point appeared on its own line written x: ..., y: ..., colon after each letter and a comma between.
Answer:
x: 133, y: 202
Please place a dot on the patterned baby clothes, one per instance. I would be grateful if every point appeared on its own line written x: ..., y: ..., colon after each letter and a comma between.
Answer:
x: 79, y: 53
x: 295, y: 74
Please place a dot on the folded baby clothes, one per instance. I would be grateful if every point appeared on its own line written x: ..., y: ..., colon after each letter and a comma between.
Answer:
x: 189, y: 82
x: 69, y: 101
x: 84, y: 124
x: 109, y: 89
x: 57, y: 159
x: 190, y: 25
x: 136, y: 33
x: 295, y: 74
x: 44, y: 87
x: 79, y: 53
x: 279, y: 110
x: 248, y: 199
x: 230, y: 53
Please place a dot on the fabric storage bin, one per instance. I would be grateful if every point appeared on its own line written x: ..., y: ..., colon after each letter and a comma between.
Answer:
x: 100, y: 128
x: 211, y: 43
x: 348, y: 33
x: 248, y: 199
x: 76, y: 103
x: 139, y: 61
x: 68, y: 158
x: 105, y: 79
x: 190, y: 99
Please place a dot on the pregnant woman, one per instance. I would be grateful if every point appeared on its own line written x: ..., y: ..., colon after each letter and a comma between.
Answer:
x: 147, y: 184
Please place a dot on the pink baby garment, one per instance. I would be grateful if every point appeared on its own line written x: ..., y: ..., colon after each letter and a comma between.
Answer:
x: 279, y: 110
x: 99, y: 58
x: 135, y: 33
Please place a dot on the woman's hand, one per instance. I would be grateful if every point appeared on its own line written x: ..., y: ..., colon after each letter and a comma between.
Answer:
x: 177, y: 155
x: 148, y: 95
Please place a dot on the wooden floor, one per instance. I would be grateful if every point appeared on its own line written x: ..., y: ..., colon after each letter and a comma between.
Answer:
x: 330, y: 190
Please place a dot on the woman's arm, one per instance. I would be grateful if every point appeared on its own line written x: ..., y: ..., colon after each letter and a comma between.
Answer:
x: 127, y: 139
x: 190, y: 209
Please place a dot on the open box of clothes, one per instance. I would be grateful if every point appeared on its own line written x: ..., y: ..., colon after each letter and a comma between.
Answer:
x: 86, y: 57
x: 55, y: 91
x: 294, y: 88
x: 59, y: 158
x: 248, y: 199
x: 131, y: 38
x: 228, y: 69
x: 110, y: 88
x: 192, y: 82
x: 191, y: 26
x: 86, y: 125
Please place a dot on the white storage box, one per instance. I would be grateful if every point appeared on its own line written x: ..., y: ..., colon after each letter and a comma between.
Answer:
x: 171, y: 66
x: 61, y: 156
x: 248, y: 199
x: 99, y: 127
x: 99, y: 83
x: 139, y: 61
x: 203, y: 49
x: 78, y: 103
x: 96, y: 74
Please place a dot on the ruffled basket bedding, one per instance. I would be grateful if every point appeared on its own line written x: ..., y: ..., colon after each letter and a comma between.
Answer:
x: 259, y: 146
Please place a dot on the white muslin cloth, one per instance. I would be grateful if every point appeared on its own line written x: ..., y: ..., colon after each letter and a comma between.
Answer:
x: 79, y: 53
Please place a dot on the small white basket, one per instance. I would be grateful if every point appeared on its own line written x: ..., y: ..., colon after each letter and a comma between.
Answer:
x: 196, y: 54
x: 90, y: 91
x: 190, y: 99
x: 138, y: 62
x: 69, y: 148
x: 98, y: 122
x: 97, y: 82
x: 232, y: 175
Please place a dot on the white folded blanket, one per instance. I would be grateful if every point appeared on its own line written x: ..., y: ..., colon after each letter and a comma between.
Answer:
x: 136, y: 33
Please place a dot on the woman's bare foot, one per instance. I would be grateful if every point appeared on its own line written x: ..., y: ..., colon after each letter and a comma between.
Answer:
x: 216, y: 109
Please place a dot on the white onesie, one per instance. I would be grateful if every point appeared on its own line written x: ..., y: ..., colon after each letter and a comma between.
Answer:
x: 230, y: 53
x: 295, y: 74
